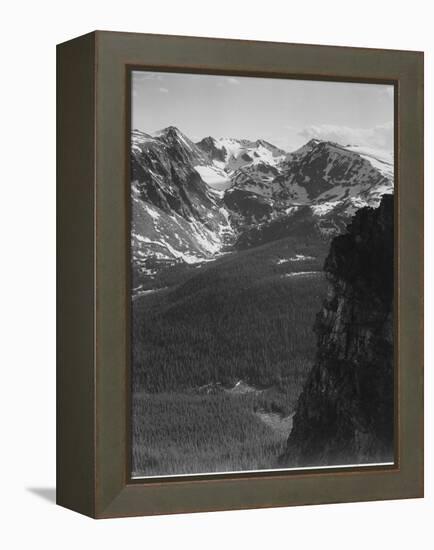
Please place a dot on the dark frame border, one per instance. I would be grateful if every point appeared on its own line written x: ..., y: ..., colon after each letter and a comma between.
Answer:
x: 97, y: 483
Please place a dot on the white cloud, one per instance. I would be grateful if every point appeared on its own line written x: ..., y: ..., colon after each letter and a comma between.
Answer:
x: 380, y: 136
x: 163, y: 90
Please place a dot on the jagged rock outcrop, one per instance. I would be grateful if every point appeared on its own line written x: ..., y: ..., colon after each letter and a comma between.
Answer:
x: 345, y: 414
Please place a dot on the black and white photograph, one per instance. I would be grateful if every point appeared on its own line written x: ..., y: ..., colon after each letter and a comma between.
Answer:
x: 262, y: 274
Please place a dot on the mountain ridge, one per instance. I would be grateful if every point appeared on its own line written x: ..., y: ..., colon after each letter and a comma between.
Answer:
x: 193, y: 201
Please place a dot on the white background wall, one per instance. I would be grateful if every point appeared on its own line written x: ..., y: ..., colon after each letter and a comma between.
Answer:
x: 29, y: 32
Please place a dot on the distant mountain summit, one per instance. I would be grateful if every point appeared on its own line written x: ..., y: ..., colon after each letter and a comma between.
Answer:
x: 231, y: 154
x: 327, y: 170
x: 331, y: 180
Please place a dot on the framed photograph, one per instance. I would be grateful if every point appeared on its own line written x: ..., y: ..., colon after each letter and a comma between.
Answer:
x: 240, y: 274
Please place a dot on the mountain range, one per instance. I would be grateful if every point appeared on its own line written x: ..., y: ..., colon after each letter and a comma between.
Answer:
x: 192, y: 202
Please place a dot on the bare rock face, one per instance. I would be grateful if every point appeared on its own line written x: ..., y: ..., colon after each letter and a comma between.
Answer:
x: 345, y: 414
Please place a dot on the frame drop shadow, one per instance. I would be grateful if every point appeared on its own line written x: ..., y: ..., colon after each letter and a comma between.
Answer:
x: 46, y: 493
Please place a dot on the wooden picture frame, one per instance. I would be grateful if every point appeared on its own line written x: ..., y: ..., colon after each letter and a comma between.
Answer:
x: 93, y: 397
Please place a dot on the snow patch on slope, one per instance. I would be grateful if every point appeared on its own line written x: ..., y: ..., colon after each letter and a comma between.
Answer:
x: 215, y: 177
x: 324, y: 208
x: 381, y: 160
x: 296, y: 258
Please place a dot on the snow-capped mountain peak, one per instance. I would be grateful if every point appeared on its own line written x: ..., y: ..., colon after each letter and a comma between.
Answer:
x: 231, y: 154
x: 169, y: 131
x: 192, y: 200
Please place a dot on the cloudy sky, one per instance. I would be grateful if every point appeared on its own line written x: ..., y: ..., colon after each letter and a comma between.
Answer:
x: 285, y: 112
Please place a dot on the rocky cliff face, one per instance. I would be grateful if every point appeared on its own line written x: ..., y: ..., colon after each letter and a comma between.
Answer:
x: 345, y: 414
